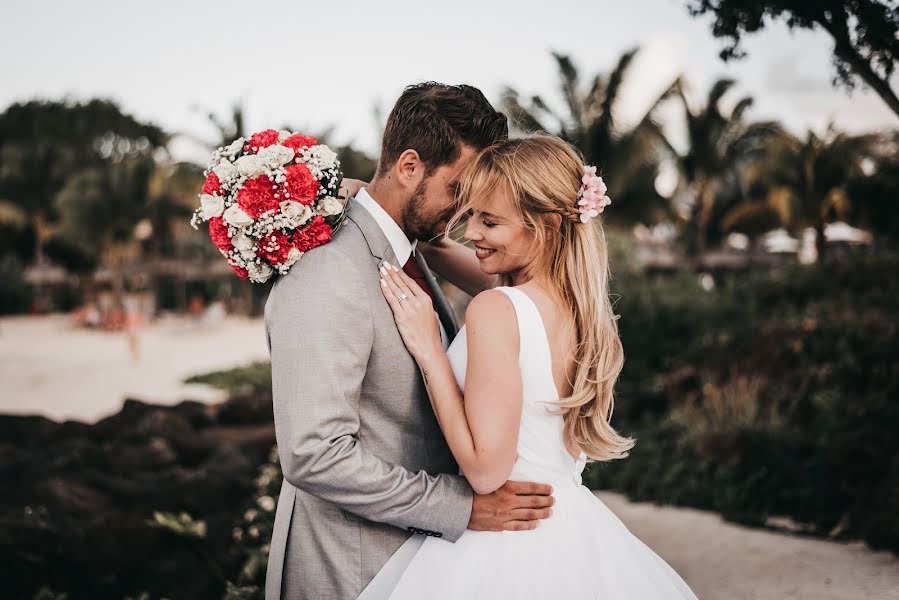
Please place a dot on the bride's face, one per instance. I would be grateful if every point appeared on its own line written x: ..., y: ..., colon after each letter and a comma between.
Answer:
x: 501, y: 240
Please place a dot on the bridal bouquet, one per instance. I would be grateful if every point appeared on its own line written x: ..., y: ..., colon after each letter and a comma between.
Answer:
x: 269, y: 199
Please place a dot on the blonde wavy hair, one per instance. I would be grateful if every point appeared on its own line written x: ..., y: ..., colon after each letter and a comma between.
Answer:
x: 543, y: 174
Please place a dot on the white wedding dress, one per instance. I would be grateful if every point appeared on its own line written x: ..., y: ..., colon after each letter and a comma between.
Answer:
x: 582, y: 551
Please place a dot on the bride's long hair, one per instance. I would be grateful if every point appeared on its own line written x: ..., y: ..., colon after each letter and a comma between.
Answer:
x: 544, y: 174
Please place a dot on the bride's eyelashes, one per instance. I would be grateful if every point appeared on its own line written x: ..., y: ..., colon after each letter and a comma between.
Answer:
x: 484, y: 221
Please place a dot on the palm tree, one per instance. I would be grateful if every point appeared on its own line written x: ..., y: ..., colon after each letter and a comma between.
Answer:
x: 628, y: 156
x: 812, y: 176
x: 719, y: 144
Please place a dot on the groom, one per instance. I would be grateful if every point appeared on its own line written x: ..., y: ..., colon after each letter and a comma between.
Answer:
x: 365, y: 464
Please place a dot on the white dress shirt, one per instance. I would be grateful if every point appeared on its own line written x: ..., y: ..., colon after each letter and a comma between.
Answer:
x: 400, y: 244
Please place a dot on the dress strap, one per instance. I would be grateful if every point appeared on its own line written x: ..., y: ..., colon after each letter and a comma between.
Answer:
x: 534, y: 352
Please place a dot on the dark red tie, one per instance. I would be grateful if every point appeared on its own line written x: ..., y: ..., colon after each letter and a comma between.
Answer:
x: 412, y: 269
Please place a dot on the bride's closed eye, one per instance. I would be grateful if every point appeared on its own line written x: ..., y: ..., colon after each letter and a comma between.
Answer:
x: 484, y: 220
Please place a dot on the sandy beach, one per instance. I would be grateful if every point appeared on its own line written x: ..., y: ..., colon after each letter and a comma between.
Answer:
x: 50, y: 368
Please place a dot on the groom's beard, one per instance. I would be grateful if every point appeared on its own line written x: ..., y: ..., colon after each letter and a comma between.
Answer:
x: 418, y: 224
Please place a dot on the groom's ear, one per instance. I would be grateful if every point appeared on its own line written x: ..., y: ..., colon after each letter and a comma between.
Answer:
x: 409, y: 169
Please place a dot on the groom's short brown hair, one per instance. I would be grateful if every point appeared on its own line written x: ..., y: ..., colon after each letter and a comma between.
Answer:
x: 434, y: 119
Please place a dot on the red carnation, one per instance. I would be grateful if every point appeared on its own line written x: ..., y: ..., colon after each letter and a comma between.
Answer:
x: 274, y: 247
x: 315, y: 234
x: 218, y: 231
x: 297, y: 141
x: 241, y: 272
x: 263, y: 139
x: 257, y: 196
x: 212, y: 185
x: 300, y: 184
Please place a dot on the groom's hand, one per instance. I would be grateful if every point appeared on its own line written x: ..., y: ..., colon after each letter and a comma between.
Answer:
x: 516, y: 506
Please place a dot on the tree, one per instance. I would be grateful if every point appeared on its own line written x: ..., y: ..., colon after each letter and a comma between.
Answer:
x: 817, y: 171
x: 628, y: 157
x: 44, y: 143
x: 719, y: 144
x: 865, y: 33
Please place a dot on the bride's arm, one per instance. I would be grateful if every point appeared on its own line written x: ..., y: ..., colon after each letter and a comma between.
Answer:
x: 481, y: 429
x: 457, y: 264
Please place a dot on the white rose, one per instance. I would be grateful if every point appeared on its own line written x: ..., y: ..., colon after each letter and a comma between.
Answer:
x: 283, y: 135
x: 234, y: 215
x: 235, y: 146
x: 275, y: 155
x: 225, y: 170
x: 249, y: 165
x: 242, y: 243
x: 259, y: 273
x: 211, y: 206
x: 330, y: 206
x: 266, y: 503
x: 292, y: 257
x: 297, y: 213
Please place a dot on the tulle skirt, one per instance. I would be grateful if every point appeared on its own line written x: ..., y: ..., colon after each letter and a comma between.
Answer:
x: 582, y: 551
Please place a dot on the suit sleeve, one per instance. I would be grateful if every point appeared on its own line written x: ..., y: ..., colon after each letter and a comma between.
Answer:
x: 321, y: 330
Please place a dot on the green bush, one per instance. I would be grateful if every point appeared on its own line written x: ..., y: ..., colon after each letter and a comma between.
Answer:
x: 255, y: 376
x: 775, y: 394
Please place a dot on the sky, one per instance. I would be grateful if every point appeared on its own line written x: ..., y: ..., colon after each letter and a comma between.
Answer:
x: 329, y: 64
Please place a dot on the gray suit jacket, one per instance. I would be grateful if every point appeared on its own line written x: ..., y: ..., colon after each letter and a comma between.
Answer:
x: 365, y: 464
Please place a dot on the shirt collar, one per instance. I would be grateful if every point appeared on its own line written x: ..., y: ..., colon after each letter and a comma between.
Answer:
x: 400, y: 244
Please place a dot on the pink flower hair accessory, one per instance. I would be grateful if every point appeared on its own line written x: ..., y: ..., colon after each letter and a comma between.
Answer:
x: 592, y: 198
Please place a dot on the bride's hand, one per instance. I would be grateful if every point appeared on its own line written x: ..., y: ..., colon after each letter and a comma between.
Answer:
x: 413, y: 311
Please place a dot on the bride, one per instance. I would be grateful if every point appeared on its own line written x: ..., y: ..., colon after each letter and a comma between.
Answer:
x: 525, y: 391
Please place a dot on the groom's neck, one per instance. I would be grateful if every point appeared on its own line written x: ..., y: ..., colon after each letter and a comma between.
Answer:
x: 391, y: 198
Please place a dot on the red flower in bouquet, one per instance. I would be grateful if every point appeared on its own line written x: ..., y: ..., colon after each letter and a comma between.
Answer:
x: 315, y: 234
x: 297, y: 141
x: 257, y: 196
x: 300, y: 184
x: 274, y: 247
x: 241, y: 272
x: 263, y: 139
x: 212, y: 185
x: 218, y: 231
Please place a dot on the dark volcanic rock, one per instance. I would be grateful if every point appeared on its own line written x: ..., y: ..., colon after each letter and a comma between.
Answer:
x: 76, y: 499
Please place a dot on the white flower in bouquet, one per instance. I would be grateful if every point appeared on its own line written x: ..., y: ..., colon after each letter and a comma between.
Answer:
x: 211, y: 206
x: 319, y: 159
x: 235, y: 216
x: 226, y: 171
x: 296, y: 212
x: 329, y: 205
x: 292, y: 257
x: 243, y: 244
x: 259, y: 273
x: 250, y: 165
x: 275, y: 156
x: 235, y: 147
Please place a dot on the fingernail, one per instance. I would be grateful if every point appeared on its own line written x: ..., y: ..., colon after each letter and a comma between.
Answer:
x: 383, y: 271
x: 383, y: 283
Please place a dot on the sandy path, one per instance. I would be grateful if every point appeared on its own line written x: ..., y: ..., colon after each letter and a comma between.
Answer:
x: 47, y: 367
x: 50, y: 368
x: 723, y: 561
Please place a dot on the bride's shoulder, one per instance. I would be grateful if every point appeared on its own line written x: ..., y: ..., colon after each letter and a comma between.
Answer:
x: 492, y: 311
